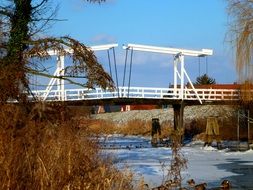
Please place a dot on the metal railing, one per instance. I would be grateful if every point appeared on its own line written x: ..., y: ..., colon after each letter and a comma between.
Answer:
x: 138, y: 92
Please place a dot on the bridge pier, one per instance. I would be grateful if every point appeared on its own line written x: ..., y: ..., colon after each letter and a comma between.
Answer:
x: 178, y: 115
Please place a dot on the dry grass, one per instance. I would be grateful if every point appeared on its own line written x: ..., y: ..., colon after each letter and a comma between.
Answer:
x: 132, y: 127
x: 135, y: 127
x: 228, y: 129
x: 99, y: 127
x: 37, y: 153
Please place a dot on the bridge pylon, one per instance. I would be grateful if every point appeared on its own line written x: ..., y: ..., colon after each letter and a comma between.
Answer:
x: 180, y: 73
x: 60, y: 71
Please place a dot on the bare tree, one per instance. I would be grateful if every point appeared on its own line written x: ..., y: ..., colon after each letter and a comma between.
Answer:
x: 241, y: 30
x: 23, y: 20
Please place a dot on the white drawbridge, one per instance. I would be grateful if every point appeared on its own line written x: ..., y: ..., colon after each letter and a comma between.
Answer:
x: 180, y: 74
x: 179, y: 64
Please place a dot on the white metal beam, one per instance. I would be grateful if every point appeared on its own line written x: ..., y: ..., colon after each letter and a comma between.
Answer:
x: 103, y: 47
x: 93, y: 48
x: 166, y: 50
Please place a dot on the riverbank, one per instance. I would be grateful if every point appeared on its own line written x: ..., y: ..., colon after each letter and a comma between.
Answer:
x: 138, y: 122
x: 190, y: 113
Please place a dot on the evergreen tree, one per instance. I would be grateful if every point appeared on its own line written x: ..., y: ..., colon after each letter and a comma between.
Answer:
x: 205, y: 79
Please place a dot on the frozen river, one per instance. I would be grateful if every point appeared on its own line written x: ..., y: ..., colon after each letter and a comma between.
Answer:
x: 204, y: 164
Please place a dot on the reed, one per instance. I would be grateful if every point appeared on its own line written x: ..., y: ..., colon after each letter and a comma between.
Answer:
x: 43, y: 148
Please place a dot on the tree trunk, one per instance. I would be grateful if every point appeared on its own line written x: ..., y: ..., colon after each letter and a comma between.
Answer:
x: 12, y: 68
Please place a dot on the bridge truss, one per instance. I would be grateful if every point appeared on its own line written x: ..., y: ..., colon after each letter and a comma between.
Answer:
x: 179, y: 64
x: 175, y: 93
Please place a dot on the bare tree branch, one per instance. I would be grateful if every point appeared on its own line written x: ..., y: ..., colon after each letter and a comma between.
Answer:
x: 5, y: 13
x: 84, y: 60
x: 43, y: 74
x: 241, y: 31
x: 43, y: 2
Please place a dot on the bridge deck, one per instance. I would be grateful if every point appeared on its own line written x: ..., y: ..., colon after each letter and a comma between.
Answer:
x: 141, y: 95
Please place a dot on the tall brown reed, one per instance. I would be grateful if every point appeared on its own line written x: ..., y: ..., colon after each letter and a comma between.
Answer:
x: 46, y: 149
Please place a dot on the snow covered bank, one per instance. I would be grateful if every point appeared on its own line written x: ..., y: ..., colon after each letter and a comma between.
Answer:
x: 204, y: 164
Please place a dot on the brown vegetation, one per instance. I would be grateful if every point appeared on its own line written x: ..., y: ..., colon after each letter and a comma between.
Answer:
x: 42, y: 146
x: 195, y: 128
x: 178, y: 161
x: 240, y: 12
x: 40, y: 153
x: 227, y: 127
x: 132, y: 127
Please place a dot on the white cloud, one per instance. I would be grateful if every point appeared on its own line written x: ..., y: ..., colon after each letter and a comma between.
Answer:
x: 102, y: 39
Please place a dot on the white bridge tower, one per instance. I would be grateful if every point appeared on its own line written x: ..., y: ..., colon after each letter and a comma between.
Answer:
x: 179, y: 63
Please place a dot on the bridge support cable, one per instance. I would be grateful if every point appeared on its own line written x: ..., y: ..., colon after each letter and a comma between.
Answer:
x: 206, y: 65
x: 116, y: 71
x: 130, y: 72
x: 109, y: 62
x: 199, y: 65
x: 115, y: 67
x: 124, y: 75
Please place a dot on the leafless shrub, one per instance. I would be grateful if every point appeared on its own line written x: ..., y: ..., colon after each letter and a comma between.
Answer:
x: 178, y: 161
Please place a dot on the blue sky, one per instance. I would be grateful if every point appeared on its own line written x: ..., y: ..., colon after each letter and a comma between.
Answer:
x: 190, y: 24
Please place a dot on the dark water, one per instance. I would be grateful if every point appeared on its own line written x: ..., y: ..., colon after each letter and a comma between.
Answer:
x: 244, y: 169
x: 121, y: 142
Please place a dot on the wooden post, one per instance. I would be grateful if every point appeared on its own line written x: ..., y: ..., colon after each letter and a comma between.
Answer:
x: 176, y: 108
x: 178, y: 115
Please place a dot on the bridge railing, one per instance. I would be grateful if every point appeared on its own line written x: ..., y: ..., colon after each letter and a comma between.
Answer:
x: 138, y: 92
x: 212, y: 94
